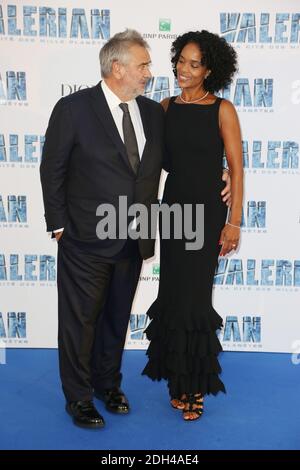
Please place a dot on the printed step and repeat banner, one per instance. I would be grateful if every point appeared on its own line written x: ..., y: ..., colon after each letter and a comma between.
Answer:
x: 50, y: 49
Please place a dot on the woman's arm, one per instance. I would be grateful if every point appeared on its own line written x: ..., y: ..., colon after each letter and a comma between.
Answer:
x: 231, y: 134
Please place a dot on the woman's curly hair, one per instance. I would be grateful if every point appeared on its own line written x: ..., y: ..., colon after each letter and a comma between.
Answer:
x: 217, y: 55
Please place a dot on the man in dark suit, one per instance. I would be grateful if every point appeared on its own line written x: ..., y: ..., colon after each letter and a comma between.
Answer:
x: 101, y: 143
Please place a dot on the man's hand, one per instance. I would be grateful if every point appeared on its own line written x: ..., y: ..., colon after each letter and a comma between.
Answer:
x: 226, y: 193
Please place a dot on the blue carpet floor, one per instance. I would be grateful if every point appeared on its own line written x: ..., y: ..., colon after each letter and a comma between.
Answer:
x: 260, y: 410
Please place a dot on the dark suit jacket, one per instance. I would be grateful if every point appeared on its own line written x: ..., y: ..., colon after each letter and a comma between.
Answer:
x: 84, y: 164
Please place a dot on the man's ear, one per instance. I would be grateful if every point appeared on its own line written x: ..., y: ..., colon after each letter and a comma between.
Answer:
x: 117, y: 70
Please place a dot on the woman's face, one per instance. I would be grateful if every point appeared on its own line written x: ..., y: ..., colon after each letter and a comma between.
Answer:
x: 190, y: 72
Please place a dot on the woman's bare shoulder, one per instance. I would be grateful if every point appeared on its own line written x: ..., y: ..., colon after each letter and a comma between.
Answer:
x: 165, y: 103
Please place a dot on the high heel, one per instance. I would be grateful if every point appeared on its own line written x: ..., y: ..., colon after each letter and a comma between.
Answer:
x: 194, y: 407
x: 178, y: 403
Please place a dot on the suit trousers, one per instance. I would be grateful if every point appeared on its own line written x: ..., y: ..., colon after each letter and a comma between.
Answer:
x: 95, y: 297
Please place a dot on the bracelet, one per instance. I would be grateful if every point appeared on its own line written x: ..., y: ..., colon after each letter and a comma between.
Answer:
x: 226, y: 169
x: 232, y: 225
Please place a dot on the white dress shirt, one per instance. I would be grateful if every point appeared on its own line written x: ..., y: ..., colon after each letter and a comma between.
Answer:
x: 113, y: 103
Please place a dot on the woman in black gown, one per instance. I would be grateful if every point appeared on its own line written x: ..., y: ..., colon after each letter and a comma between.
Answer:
x: 199, y: 126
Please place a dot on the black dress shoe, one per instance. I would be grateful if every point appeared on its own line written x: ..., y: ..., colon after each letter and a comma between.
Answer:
x: 114, y: 399
x: 85, y: 414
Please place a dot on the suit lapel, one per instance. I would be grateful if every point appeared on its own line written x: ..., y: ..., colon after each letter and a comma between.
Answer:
x: 103, y: 113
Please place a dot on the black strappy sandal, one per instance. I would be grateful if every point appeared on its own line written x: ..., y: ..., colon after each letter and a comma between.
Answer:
x: 194, y: 404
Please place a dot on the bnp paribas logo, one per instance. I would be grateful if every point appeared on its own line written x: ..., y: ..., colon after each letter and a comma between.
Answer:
x: 155, y: 269
x: 164, y: 24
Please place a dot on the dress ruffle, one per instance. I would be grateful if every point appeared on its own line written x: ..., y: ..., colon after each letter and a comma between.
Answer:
x: 184, y: 355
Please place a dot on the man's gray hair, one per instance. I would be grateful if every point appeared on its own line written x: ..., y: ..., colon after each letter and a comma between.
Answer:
x: 117, y: 47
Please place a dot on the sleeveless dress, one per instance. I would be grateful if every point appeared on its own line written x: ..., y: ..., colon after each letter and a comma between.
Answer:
x: 183, y: 342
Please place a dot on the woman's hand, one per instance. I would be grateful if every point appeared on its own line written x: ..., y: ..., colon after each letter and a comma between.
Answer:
x: 226, y: 193
x: 229, y: 239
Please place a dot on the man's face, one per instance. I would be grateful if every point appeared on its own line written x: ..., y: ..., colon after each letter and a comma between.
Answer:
x: 136, y: 72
